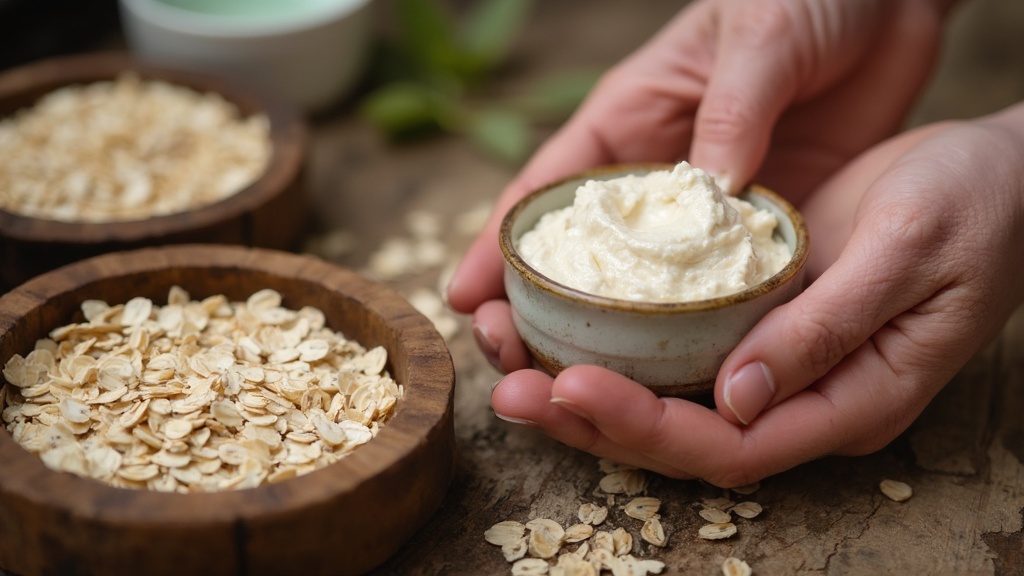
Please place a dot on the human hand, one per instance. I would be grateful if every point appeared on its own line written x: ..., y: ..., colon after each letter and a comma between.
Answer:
x: 716, y: 85
x: 920, y: 268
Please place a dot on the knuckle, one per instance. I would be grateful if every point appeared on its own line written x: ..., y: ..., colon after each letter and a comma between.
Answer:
x: 726, y: 118
x: 820, y: 342
x: 913, y: 226
x: 759, y: 23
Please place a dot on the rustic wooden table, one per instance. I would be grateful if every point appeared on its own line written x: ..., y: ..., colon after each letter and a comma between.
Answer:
x: 963, y: 457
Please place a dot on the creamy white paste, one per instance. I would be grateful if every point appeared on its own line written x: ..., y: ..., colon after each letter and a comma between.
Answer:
x: 667, y: 236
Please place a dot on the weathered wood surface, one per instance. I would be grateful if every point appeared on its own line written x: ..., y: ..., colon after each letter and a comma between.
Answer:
x: 963, y: 457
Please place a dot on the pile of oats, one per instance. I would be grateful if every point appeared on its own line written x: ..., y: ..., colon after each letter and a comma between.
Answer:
x: 196, y: 395
x: 542, y: 546
x: 127, y: 149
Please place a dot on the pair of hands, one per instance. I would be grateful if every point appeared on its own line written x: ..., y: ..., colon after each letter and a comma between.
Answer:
x: 914, y: 241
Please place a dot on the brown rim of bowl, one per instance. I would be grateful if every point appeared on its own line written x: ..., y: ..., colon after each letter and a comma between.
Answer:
x: 22, y: 86
x: 512, y: 256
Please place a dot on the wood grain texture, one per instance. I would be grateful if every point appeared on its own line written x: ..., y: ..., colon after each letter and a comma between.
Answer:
x: 271, y: 212
x: 343, y: 519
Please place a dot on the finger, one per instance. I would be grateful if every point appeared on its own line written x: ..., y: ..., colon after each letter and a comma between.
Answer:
x: 843, y: 415
x: 829, y: 213
x: 525, y: 397
x: 753, y: 79
x: 641, y: 110
x: 574, y: 148
x: 498, y: 338
x: 886, y: 269
x: 812, y: 141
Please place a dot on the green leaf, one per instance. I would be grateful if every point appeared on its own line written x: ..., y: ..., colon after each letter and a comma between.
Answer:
x: 556, y: 97
x: 501, y: 132
x: 490, y: 29
x: 401, y: 107
x: 428, y: 35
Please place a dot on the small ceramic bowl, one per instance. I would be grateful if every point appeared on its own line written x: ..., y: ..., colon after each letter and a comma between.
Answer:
x: 270, y: 212
x: 310, y: 51
x: 345, y: 518
x: 675, y: 349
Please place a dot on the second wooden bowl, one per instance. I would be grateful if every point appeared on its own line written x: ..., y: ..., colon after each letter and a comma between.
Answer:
x: 270, y: 212
x: 343, y: 519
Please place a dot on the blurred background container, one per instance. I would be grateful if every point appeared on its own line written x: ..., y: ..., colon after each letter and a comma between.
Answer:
x: 310, y: 51
x: 30, y: 29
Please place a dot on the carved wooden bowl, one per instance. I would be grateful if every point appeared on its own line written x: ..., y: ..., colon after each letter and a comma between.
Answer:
x: 270, y: 212
x: 345, y: 518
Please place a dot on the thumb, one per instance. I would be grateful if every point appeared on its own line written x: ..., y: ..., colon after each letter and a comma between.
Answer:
x: 753, y: 79
x: 884, y: 271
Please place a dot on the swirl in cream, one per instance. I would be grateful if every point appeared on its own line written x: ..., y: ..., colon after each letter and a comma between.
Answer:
x: 666, y: 236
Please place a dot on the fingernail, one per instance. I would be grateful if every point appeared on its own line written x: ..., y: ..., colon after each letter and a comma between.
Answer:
x: 568, y: 405
x: 520, y: 421
x: 485, y: 344
x: 496, y: 382
x: 748, y: 391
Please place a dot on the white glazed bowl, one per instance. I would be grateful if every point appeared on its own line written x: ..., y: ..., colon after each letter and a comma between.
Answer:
x: 312, y: 53
x: 675, y: 349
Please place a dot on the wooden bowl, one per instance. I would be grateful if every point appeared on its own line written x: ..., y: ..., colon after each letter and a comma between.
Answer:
x: 345, y: 518
x: 270, y: 212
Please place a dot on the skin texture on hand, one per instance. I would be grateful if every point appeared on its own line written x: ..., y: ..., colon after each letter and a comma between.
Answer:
x: 928, y: 275
x: 913, y: 241
x: 721, y: 81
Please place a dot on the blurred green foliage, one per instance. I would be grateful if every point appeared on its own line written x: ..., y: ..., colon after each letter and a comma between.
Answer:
x: 434, y: 78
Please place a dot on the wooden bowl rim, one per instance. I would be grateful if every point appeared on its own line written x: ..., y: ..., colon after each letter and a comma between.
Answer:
x: 288, y: 134
x: 431, y: 375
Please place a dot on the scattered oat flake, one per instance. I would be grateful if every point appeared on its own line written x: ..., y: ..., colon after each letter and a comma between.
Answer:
x: 472, y: 221
x: 513, y: 551
x: 572, y: 565
x: 622, y: 541
x: 721, y: 503
x: 530, y: 567
x: 895, y: 490
x: 546, y: 537
x: 654, y: 532
x: 715, y: 516
x: 733, y: 566
x: 642, y: 508
x: 717, y: 531
x: 592, y: 514
x: 504, y: 532
x: 628, y: 482
x: 578, y: 533
x: 747, y: 509
x: 747, y: 489
x: 602, y: 540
